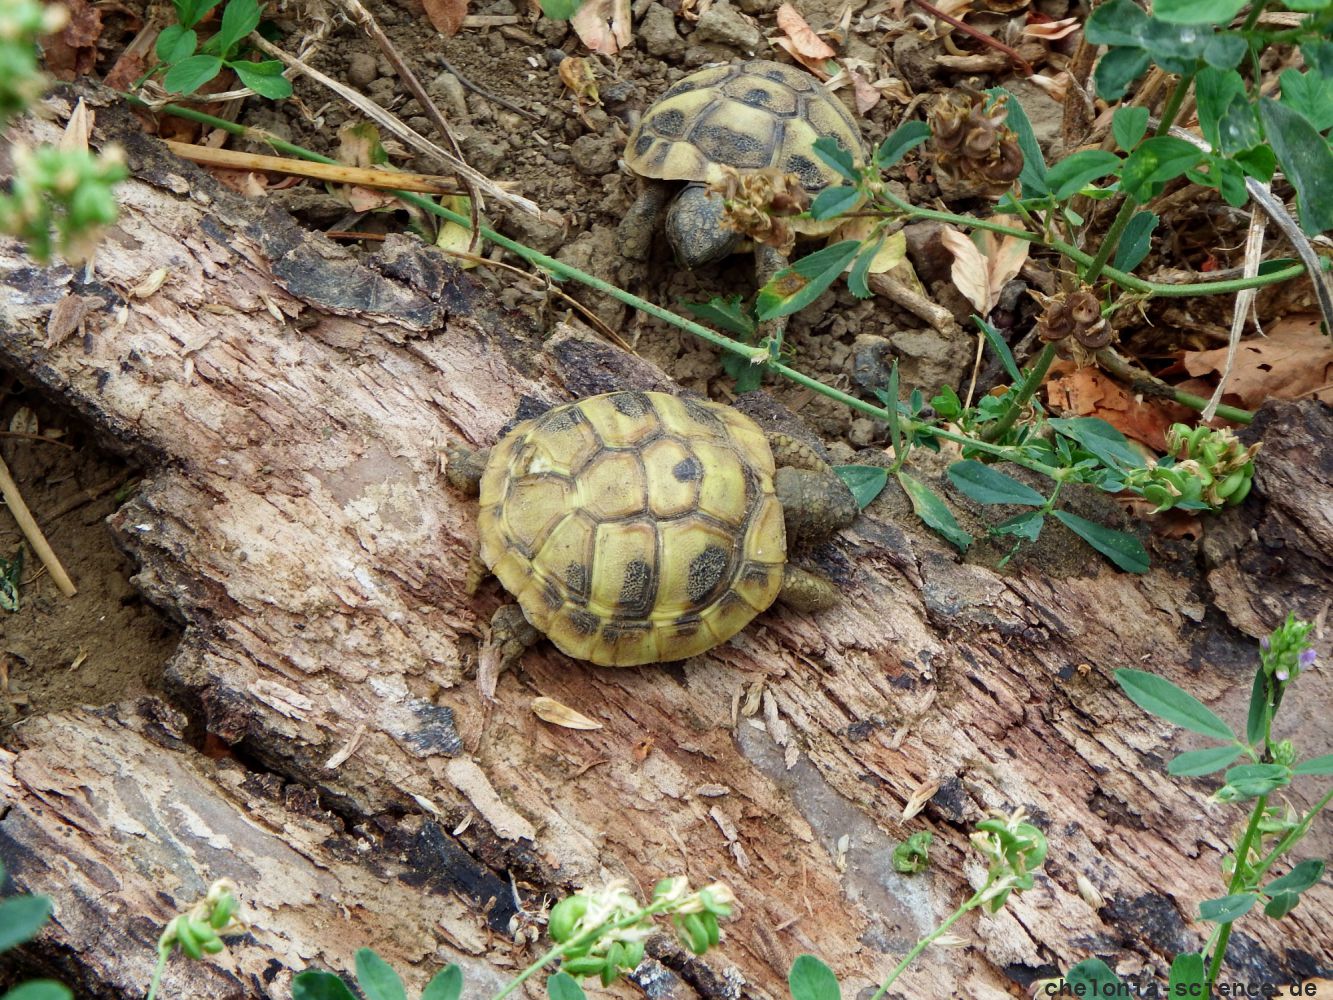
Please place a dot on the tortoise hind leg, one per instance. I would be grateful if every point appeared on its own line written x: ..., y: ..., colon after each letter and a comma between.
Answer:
x: 805, y: 591
x: 511, y: 635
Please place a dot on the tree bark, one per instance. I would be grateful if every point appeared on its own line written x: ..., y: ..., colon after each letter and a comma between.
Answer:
x: 292, y: 405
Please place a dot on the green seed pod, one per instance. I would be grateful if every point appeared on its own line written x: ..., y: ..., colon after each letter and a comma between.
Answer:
x: 584, y: 965
x: 694, y: 933
x: 565, y: 916
x: 186, y: 938
x: 714, y: 932
x: 223, y: 910
x: 633, y: 955
x: 609, y: 973
x: 1235, y: 499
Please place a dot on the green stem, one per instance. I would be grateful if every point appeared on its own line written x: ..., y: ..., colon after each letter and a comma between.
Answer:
x: 1238, y: 877
x: 1293, y: 835
x: 162, y: 955
x: 925, y: 943
x: 1118, y: 226
x: 1035, y: 376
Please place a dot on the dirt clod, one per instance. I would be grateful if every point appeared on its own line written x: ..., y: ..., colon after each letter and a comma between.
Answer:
x: 725, y: 25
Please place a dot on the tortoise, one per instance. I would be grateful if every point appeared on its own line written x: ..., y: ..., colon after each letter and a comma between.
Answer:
x: 750, y: 116
x: 639, y: 527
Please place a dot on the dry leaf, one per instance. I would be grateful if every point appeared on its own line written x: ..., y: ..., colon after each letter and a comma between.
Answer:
x: 78, y: 129
x: 446, y: 15
x: 1087, y: 392
x: 802, y: 36
x: 604, y: 26
x: 1295, y: 361
x: 919, y: 797
x: 1054, y: 87
x: 552, y: 711
x: 72, y: 52
x: 892, y: 252
x: 981, y: 273
x: 1050, y: 31
x: 865, y: 93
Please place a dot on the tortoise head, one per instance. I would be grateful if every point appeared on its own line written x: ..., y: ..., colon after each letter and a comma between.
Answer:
x: 694, y: 228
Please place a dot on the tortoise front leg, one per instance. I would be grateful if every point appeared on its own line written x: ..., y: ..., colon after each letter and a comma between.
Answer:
x: 635, y: 232
x: 463, y: 467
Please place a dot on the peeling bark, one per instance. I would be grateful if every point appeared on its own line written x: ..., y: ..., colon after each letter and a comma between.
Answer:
x: 292, y: 404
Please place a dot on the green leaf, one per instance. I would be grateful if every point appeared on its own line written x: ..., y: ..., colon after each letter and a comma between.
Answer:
x: 1281, y: 904
x: 1068, y: 177
x: 1187, y: 975
x: 238, y: 19
x: 40, y: 989
x: 1001, y: 349
x: 1193, y: 763
x: 264, y: 78
x: 1305, y: 875
x: 1116, y: 22
x: 1160, y: 697
x: 1225, y: 50
x: 865, y: 481
x: 834, y: 201
x: 1135, y: 241
x: 560, y: 10
x: 1118, y: 69
x: 563, y: 986
x: 1322, y: 766
x: 175, y: 43
x: 1319, y: 57
x: 811, y: 979
x: 991, y: 486
x: 889, y: 397
x: 1033, y: 175
x: 795, y: 287
x: 857, y: 280
x: 1093, y: 978
x: 1249, y: 781
x: 1124, y: 550
x: 933, y: 511
x: 21, y: 917
x: 1215, y: 91
x: 1025, y: 525
x: 1129, y: 124
x: 189, y: 75
x: 1158, y: 160
x: 1309, y: 95
x: 1307, y: 6
x: 376, y: 977
x: 191, y: 12
x: 1305, y: 159
x: 1100, y: 438
x: 1197, y: 11
x: 727, y: 313
x: 1225, y: 909
x: 314, y: 985
x: 900, y: 141
x: 447, y: 984
x: 837, y: 156
x: 1256, y: 722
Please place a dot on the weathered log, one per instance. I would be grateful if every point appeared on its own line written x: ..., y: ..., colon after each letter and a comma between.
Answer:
x: 292, y: 403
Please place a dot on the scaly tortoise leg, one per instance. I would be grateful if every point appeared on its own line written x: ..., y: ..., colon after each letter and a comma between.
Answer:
x: 806, y: 591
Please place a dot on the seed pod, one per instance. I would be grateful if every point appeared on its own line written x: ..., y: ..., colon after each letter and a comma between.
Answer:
x: 565, y: 916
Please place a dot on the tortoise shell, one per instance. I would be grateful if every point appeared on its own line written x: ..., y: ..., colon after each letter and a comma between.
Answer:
x: 634, y: 527
x: 747, y: 115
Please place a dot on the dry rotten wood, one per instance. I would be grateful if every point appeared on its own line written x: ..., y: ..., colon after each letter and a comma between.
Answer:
x: 292, y: 404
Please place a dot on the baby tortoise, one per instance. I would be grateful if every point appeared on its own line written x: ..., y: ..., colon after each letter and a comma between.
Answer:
x: 751, y: 116
x: 638, y: 527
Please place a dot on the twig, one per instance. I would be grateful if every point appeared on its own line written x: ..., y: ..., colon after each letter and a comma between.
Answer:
x: 1244, y: 304
x: 978, y: 34
x: 233, y: 160
x: 493, y: 98
x: 28, y: 525
x: 36, y: 437
x: 914, y: 302
x: 408, y: 135
x: 370, y: 26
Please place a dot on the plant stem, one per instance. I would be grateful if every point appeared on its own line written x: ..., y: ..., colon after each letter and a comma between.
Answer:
x: 1293, y: 835
x: 1035, y: 376
x: 1238, y: 877
x: 162, y: 955
x: 925, y: 943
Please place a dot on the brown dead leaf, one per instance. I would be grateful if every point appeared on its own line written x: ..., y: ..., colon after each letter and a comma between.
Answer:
x: 558, y: 714
x: 604, y: 26
x: 981, y: 272
x: 446, y: 15
x: 1295, y: 361
x: 802, y: 36
x: 865, y: 93
x: 1087, y: 392
x: 72, y: 51
x: 78, y: 129
x: 1051, y: 31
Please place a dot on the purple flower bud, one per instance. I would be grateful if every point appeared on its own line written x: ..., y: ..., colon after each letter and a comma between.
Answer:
x: 1264, y: 644
x: 1307, y: 659
x: 1282, y: 675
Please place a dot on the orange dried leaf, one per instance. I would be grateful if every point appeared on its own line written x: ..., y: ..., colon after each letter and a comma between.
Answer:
x: 604, y: 26
x: 806, y: 43
x: 1050, y: 31
x: 446, y: 15
x: 1087, y: 392
x: 1295, y: 361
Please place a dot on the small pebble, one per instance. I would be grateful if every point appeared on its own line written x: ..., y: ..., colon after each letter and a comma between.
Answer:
x: 362, y: 69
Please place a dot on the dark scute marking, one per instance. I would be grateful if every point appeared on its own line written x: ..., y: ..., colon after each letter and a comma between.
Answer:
x: 684, y: 87
x: 612, y: 631
x: 756, y: 98
x: 723, y: 145
x: 700, y: 413
x: 687, y: 624
x: 631, y: 404
x: 705, y: 573
x: 751, y: 490
x: 688, y: 470
x: 794, y: 80
x: 637, y: 590
x: 642, y: 144
x: 805, y: 168
x: 576, y: 579
x: 562, y: 418
x: 670, y: 124
x: 584, y: 622
x: 551, y: 595
x: 755, y: 573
